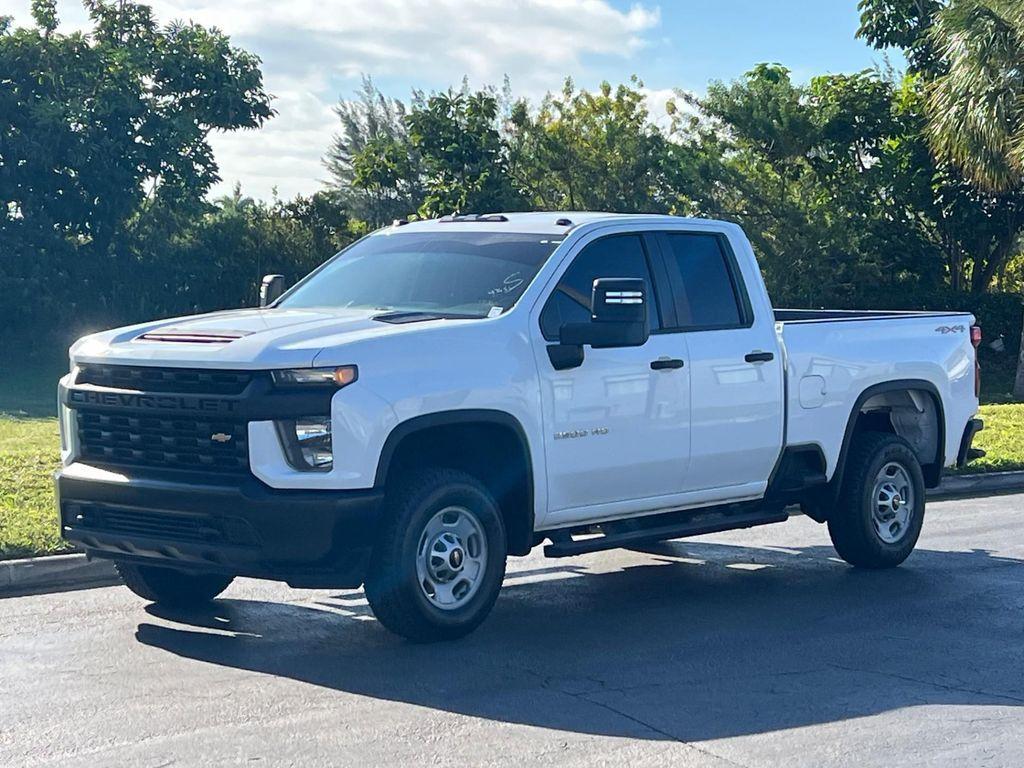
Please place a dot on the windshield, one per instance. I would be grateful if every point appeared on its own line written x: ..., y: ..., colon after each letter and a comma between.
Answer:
x: 473, y: 274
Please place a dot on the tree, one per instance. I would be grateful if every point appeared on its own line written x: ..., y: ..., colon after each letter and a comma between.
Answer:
x: 386, y: 181
x: 813, y: 174
x: 902, y: 24
x: 458, y: 137
x: 977, y: 114
x: 97, y: 124
x: 376, y: 172
x: 588, y: 150
x: 977, y: 104
x: 967, y: 55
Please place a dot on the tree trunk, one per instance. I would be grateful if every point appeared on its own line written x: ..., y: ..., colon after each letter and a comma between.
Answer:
x: 999, y: 253
x: 1018, y: 384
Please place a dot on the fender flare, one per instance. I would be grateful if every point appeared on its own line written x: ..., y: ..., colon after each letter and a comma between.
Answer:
x: 465, y: 417
x: 896, y: 385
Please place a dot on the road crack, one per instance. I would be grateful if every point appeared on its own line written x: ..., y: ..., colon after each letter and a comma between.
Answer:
x: 641, y: 722
x: 933, y: 684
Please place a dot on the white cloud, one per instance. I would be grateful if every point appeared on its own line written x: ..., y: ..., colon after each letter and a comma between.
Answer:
x: 285, y: 154
x: 657, y: 104
x: 441, y: 38
x: 314, y: 51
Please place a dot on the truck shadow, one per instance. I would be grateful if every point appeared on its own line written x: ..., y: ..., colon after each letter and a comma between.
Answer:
x: 697, y: 641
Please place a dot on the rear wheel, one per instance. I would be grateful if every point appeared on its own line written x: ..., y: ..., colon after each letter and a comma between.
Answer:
x: 438, y: 566
x: 169, y: 586
x: 878, y: 519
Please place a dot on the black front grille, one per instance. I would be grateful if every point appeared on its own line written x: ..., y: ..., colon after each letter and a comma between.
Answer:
x: 162, y: 525
x: 178, y: 380
x: 184, y: 441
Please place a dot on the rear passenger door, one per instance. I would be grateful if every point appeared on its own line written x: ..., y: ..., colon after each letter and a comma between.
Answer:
x: 736, y: 376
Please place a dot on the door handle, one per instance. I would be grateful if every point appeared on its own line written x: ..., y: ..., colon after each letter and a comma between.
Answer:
x: 666, y: 364
x: 759, y: 357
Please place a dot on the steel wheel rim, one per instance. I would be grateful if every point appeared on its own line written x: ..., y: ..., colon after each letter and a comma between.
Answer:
x: 892, y: 502
x: 451, y: 558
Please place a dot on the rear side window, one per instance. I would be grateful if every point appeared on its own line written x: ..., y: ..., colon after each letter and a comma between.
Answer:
x: 615, y: 256
x: 704, y: 285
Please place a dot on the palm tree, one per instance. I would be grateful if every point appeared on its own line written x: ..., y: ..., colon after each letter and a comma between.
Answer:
x: 976, y: 107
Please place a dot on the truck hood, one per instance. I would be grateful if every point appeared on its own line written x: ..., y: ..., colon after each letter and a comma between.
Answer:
x: 244, y: 338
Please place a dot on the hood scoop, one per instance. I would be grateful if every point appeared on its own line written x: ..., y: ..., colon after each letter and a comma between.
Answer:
x: 192, y: 337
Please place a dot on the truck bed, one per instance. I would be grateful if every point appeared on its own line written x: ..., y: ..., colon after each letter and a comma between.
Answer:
x: 833, y: 356
x: 818, y: 315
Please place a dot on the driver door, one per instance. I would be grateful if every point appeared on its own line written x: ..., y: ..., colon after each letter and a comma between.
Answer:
x: 616, y: 428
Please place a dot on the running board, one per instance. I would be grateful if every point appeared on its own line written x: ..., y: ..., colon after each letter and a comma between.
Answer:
x: 568, y: 547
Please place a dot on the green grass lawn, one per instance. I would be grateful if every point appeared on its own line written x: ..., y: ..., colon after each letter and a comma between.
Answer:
x: 29, y: 450
x: 29, y: 453
x: 1002, y: 439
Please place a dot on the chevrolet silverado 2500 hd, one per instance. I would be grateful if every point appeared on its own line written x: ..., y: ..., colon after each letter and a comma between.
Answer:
x: 445, y: 393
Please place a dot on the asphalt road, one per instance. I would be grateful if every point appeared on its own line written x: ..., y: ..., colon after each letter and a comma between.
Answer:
x: 752, y: 648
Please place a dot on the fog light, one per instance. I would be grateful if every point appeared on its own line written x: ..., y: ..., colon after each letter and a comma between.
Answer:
x: 307, y: 442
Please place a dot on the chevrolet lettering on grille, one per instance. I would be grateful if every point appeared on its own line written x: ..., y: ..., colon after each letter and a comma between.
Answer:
x: 161, y: 402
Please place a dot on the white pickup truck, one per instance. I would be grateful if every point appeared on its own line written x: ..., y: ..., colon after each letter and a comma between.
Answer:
x: 445, y: 393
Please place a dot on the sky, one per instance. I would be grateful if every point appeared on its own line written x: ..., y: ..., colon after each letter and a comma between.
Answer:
x: 315, y: 52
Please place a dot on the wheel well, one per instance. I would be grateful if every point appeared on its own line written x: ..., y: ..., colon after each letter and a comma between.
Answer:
x: 915, y: 414
x: 910, y: 409
x: 494, y: 452
x: 912, y: 414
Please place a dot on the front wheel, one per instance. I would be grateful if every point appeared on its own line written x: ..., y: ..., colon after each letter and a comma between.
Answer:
x: 171, y: 587
x: 878, y: 519
x: 439, y: 563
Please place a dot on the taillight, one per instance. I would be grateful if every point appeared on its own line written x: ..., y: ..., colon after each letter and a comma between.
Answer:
x: 976, y: 341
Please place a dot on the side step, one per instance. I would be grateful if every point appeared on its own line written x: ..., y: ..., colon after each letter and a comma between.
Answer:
x: 567, y: 547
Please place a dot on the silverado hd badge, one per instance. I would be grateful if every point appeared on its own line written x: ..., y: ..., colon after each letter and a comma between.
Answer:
x: 573, y: 433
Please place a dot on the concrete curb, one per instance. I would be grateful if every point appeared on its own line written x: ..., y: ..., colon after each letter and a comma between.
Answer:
x: 54, y: 573
x: 57, y: 573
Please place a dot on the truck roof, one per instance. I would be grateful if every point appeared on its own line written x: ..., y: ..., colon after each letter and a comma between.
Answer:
x: 534, y: 222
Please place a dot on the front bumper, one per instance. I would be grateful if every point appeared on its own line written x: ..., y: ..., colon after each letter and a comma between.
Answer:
x: 234, y: 525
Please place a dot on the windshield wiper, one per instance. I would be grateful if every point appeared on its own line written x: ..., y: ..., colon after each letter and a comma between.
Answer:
x: 399, y: 317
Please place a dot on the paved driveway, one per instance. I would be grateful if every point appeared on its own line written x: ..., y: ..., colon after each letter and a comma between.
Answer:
x: 751, y: 648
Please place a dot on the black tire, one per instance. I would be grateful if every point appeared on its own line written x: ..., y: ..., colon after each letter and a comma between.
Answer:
x: 851, y: 526
x: 393, y: 587
x: 171, y: 587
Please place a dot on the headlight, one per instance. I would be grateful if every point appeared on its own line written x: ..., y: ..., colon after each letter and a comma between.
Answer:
x: 301, y: 377
x: 307, y: 442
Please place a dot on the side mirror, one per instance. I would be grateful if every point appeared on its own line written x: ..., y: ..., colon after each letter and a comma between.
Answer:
x: 622, y: 301
x: 618, y: 319
x: 271, y: 288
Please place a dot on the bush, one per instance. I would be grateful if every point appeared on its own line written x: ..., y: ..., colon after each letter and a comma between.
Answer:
x: 165, y: 264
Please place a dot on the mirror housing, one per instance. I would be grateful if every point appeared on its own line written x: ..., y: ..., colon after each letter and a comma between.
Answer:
x: 271, y: 288
x: 618, y: 319
x: 620, y: 300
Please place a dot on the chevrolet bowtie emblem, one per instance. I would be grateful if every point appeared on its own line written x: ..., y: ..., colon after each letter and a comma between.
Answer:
x: 220, y: 437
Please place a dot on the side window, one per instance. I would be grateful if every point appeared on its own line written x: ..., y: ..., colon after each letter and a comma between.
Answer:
x: 615, y: 256
x: 705, y: 291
